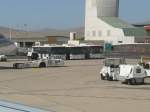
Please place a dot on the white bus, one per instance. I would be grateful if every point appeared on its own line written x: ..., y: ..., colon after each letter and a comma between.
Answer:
x: 67, y: 52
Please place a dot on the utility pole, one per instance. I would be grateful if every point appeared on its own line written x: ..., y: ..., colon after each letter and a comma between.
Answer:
x: 10, y: 33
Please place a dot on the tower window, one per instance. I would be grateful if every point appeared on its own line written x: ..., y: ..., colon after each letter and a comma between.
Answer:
x: 93, y: 33
x: 108, y: 33
x: 88, y: 33
x: 99, y: 33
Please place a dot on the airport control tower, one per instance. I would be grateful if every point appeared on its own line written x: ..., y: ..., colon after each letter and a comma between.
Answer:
x: 107, y: 8
x: 102, y: 22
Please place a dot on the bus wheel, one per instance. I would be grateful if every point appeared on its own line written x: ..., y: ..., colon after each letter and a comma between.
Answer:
x: 42, y: 65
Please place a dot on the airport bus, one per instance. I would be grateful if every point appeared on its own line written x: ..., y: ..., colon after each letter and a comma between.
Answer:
x: 94, y: 51
x: 51, y: 51
x: 75, y: 52
x: 67, y: 52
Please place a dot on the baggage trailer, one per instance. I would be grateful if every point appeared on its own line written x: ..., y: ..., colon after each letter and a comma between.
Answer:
x: 145, y: 62
x: 3, y: 58
x: 42, y: 63
x: 37, y: 62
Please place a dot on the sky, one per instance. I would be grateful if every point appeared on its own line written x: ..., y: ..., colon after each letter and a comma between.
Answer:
x: 61, y: 14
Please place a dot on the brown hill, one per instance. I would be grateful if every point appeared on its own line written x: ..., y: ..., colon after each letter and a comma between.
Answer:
x: 41, y: 33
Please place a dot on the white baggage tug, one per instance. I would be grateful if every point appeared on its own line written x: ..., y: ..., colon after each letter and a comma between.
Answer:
x: 110, y: 70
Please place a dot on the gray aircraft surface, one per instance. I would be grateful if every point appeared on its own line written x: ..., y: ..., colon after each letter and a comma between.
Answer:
x: 7, y: 47
x: 6, y: 106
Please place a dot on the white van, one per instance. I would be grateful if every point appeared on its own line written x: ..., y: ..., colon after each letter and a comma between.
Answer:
x: 132, y: 74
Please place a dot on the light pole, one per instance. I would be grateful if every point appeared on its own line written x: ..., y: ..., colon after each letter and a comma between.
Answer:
x: 10, y: 33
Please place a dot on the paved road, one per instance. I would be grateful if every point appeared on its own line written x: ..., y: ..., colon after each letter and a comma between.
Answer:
x: 74, y: 88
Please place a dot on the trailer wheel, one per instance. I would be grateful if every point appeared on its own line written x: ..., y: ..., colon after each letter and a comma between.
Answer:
x: 42, y: 65
x: 102, y: 77
x: 107, y: 76
x: 125, y: 82
x: 131, y: 81
x: 110, y: 78
x: 143, y: 81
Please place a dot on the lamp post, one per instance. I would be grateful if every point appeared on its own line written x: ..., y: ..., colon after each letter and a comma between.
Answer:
x: 10, y: 33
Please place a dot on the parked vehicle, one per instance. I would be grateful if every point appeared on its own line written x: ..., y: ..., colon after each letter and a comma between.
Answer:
x: 3, y: 58
x: 110, y: 70
x: 54, y: 51
x: 71, y: 52
x: 145, y: 62
x: 132, y: 74
x: 38, y: 62
x: 117, y: 69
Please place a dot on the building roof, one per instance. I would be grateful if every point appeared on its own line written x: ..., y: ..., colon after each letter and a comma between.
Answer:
x: 146, y: 23
x: 116, y: 22
x: 128, y: 29
x: 134, y: 32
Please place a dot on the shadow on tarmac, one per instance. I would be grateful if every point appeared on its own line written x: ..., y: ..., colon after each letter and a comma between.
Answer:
x: 4, y: 68
x: 8, y: 68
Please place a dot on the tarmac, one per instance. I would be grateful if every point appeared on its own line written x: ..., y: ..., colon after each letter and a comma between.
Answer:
x: 76, y: 87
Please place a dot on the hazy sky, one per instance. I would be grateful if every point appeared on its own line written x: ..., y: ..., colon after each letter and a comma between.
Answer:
x: 37, y: 14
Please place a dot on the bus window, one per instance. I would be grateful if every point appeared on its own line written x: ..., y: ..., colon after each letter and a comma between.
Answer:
x: 58, y: 50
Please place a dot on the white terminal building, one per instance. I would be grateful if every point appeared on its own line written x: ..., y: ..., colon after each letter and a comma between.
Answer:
x: 103, y: 24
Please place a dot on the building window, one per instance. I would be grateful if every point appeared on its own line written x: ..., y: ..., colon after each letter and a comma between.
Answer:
x: 93, y: 33
x: 99, y: 33
x: 108, y: 33
x: 120, y: 42
x: 88, y: 33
